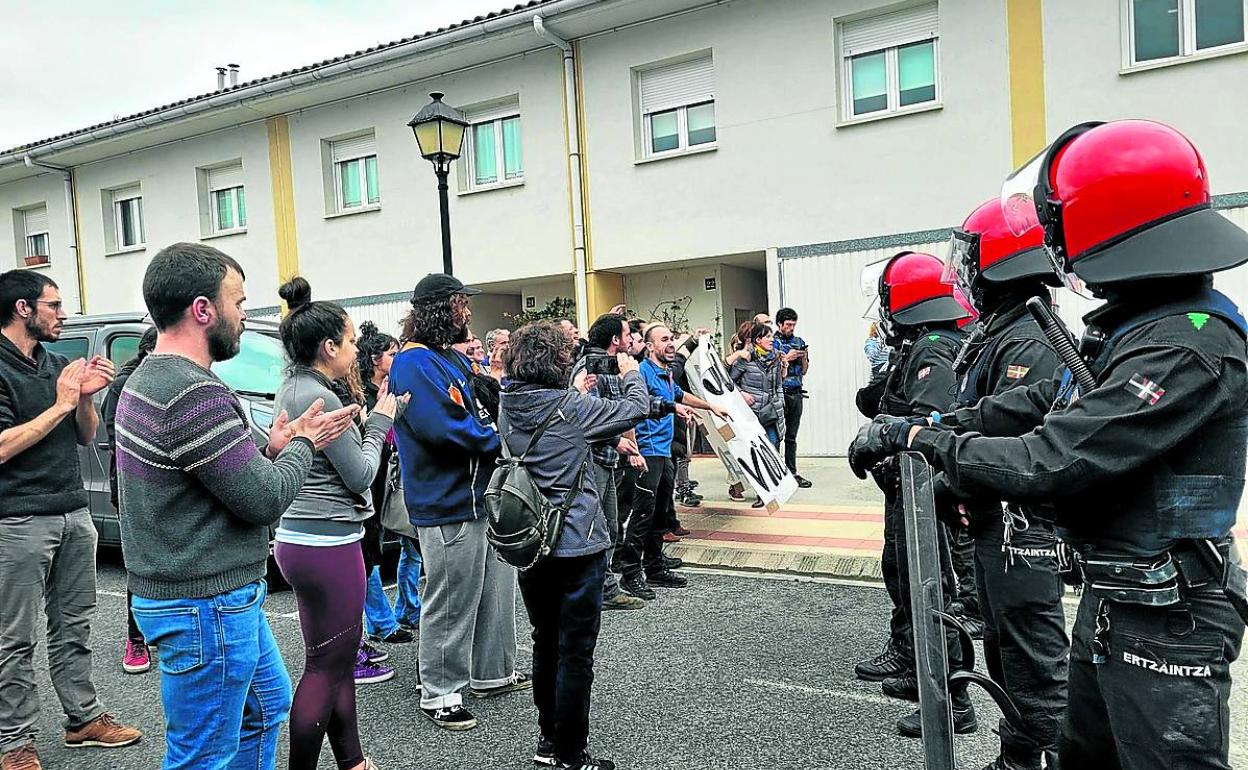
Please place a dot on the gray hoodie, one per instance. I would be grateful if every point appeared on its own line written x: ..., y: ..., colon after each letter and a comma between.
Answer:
x: 564, y: 448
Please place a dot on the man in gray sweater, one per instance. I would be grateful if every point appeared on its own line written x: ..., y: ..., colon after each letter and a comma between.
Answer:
x: 197, y: 498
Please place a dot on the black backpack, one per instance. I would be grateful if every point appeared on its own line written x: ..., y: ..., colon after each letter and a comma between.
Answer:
x: 524, y: 527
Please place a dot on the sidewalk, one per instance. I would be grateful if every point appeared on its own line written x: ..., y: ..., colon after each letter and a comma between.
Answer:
x: 834, y: 529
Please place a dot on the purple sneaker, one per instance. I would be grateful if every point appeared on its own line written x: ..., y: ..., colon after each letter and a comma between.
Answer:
x: 367, y: 672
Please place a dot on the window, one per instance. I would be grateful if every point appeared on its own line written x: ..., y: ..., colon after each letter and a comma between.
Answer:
x: 492, y: 146
x: 890, y: 62
x: 128, y: 230
x: 122, y: 348
x: 677, y: 106
x: 1174, y: 29
x: 35, y: 232
x: 72, y: 348
x: 228, y: 202
x: 355, y: 173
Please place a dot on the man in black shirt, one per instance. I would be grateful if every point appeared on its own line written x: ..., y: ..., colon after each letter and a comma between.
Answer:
x: 47, y: 539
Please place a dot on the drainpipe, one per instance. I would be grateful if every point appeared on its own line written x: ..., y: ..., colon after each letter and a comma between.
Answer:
x: 72, y: 213
x: 574, y: 168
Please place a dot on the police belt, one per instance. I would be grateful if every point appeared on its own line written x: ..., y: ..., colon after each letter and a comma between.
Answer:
x: 1159, y: 582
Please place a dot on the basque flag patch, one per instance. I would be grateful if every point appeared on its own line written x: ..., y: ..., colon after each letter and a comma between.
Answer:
x: 1145, y: 389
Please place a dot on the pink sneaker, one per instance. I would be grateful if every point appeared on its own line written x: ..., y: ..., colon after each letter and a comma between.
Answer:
x: 136, y: 659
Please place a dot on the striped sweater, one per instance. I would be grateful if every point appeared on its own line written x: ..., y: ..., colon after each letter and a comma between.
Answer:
x: 197, y: 497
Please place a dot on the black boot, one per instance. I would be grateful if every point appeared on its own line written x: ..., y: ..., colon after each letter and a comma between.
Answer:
x: 964, y: 721
x: 904, y: 687
x: 888, y: 663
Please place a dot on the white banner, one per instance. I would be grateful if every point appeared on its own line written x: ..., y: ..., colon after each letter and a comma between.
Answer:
x: 740, y: 442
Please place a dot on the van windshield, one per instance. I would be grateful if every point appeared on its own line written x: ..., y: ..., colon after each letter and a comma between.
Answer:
x: 257, y: 369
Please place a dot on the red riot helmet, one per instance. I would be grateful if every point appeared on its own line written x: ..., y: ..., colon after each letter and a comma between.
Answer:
x: 986, y: 252
x: 912, y: 292
x: 972, y: 314
x: 1123, y: 201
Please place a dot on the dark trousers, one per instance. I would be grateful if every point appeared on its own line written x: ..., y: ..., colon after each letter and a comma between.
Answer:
x: 1161, y: 698
x: 899, y: 630
x: 962, y: 552
x: 652, y: 501
x: 792, y: 421
x: 895, y: 531
x: 564, y: 600
x: 625, y: 493
x: 1025, y: 643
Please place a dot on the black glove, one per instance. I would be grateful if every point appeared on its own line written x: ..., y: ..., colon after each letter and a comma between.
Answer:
x: 948, y: 503
x: 882, y: 437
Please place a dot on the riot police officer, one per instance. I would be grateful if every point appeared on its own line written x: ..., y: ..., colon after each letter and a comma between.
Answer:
x: 1016, y: 571
x: 918, y: 316
x: 1146, y: 462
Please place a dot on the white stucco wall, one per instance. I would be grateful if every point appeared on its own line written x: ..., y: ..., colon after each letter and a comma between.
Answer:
x: 171, y: 214
x: 651, y: 295
x: 784, y: 173
x: 49, y: 190
x: 497, y: 235
x: 1203, y: 99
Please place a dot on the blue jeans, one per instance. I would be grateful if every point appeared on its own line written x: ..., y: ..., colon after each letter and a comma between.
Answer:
x: 224, y: 686
x: 407, y: 603
x: 379, y: 617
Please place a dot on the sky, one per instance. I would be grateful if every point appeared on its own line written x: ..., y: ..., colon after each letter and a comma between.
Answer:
x: 69, y: 64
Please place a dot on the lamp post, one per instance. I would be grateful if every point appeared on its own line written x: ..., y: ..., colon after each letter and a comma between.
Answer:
x: 439, y: 130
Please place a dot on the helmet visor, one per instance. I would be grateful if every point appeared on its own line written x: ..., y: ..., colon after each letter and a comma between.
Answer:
x: 1018, y: 195
x: 871, y: 278
x: 961, y: 260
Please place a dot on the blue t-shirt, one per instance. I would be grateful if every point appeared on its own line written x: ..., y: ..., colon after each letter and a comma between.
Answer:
x: 654, y: 437
x: 797, y: 367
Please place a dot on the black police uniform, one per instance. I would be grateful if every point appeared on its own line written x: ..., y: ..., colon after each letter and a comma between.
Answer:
x: 1142, y: 469
x: 1016, y: 570
x: 919, y: 381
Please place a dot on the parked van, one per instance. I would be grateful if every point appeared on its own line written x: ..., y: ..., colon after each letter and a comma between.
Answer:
x: 254, y: 374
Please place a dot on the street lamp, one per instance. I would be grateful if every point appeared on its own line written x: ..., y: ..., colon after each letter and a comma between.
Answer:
x: 439, y: 130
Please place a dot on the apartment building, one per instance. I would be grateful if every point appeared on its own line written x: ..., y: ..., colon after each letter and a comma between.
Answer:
x: 699, y: 160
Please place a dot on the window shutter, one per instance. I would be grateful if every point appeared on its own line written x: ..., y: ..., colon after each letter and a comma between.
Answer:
x: 225, y: 177
x: 677, y: 85
x: 356, y: 147
x: 891, y: 29
x: 126, y: 193
x: 36, y: 220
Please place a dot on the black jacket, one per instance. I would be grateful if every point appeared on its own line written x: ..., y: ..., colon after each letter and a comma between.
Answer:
x: 1154, y: 454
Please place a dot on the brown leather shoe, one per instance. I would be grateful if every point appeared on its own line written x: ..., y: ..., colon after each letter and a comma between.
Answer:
x: 24, y: 757
x: 670, y: 537
x: 104, y: 732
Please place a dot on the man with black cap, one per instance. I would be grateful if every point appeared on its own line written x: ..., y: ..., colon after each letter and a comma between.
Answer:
x: 447, y: 447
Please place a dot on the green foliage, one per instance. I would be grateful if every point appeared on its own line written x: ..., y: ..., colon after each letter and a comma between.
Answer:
x: 559, y: 307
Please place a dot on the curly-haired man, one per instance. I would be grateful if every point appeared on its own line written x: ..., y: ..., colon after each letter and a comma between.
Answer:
x: 447, y: 446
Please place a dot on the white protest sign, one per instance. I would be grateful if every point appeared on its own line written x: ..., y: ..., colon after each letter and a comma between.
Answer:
x: 740, y: 442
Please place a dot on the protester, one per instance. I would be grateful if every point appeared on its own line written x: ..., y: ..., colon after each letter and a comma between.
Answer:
x: 136, y: 659
x: 759, y: 374
x: 796, y: 355
x: 318, y: 539
x: 397, y: 623
x: 681, y: 438
x: 496, y: 342
x: 875, y: 348
x: 447, y: 447
x: 630, y: 473
x: 608, y: 337
x: 197, y: 498
x: 47, y: 539
x: 641, y: 559
x: 563, y: 592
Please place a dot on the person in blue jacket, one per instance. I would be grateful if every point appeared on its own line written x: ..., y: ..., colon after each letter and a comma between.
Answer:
x: 447, y: 446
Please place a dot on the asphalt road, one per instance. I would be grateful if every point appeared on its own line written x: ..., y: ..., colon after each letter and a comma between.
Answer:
x: 734, y: 672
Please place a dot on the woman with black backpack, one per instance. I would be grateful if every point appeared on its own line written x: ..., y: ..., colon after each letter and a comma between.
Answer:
x: 563, y: 590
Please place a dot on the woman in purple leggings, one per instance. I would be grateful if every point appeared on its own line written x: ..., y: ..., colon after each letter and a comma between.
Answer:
x: 318, y: 539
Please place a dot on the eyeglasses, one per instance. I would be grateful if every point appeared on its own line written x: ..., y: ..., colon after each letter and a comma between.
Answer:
x: 55, y: 306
